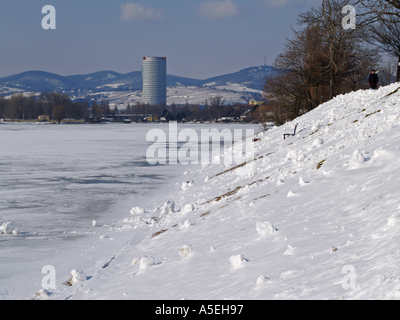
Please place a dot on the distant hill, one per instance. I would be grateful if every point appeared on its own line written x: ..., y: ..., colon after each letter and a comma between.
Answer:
x: 250, y: 77
x: 39, y: 81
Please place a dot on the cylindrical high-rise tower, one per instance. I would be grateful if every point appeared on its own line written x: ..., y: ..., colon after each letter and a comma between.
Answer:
x: 154, y: 74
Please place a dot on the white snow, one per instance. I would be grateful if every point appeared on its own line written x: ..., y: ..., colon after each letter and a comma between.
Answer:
x: 146, y: 262
x: 186, y: 185
x: 7, y: 228
x: 187, y: 208
x: 289, y: 251
x: 302, y: 182
x: 77, y: 276
x: 356, y: 159
x: 265, y: 229
x: 167, y: 208
x: 393, y: 220
x: 137, y: 210
x: 42, y: 295
x: 185, y: 224
x: 260, y: 280
x: 185, y: 251
x: 237, y: 261
x: 331, y: 193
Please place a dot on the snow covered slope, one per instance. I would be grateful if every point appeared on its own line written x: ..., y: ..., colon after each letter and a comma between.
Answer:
x: 317, y: 219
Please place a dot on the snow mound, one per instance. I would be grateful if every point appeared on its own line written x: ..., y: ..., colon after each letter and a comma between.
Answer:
x: 77, y: 276
x: 185, y: 251
x: 167, y: 208
x: 265, y: 229
x: 290, y: 194
x: 393, y: 220
x: 261, y: 280
x: 7, y: 228
x: 137, y: 210
x: 187, y: 208
x: 356, y: 159
x: 295, y: 155
x: 317, y: 143
x: 42, y: 294
x: 302, y: 182
x: 394, y: 294
x: 185, y: 224
x: 186, y: 185
x: 237, y: 261
x: 146, y: 262
x: 289, y: 251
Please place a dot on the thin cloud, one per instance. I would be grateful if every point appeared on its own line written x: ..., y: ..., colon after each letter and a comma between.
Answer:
x: 138, y: 12
x: 219, y: 9
x: 276, y: 3
x: 282, y: 3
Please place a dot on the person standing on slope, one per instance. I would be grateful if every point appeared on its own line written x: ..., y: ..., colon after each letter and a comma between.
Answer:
x: 373, y: 80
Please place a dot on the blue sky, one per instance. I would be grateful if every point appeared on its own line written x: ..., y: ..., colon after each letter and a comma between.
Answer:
x: 200, y: 38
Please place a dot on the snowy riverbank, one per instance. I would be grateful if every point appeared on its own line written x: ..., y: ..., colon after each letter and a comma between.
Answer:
x: 55, y: 181
x: 318, y: 218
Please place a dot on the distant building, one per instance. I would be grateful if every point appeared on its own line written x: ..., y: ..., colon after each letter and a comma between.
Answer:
x: 254, y: 102
x: 154, y: 74
x: 43, y: 118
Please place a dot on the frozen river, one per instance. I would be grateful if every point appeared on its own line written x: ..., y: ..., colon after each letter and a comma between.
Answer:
x: 56, y: 179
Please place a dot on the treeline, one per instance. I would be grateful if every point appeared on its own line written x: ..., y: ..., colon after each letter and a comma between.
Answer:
x: 60, y: 106
x: 213, y: 109
x: 31, y: 107
x: 325, y: 57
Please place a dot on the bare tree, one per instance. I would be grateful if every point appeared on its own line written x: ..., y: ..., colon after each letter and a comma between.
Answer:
x: 3, y: 105
x: 58, y: 113
x: 216, y: 106
x: 321, y: 60
x: 97, y: 112
x: 217, y: 101
x: 14, y: 110
x: 340, y: 43
x: 377, y: 10
x: 387, y: 71
x: 385, y: 35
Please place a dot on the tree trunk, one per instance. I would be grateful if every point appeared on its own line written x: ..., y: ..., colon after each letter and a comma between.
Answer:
x: 332, y: 86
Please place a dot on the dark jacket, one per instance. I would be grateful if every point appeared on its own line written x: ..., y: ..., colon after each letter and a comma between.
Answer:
x: 373, y: 79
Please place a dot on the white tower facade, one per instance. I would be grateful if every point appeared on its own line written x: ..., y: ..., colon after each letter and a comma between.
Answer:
x: 154, y: 74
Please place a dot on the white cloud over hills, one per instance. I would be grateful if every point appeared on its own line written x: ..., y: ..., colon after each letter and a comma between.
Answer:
x: 138, y: 12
